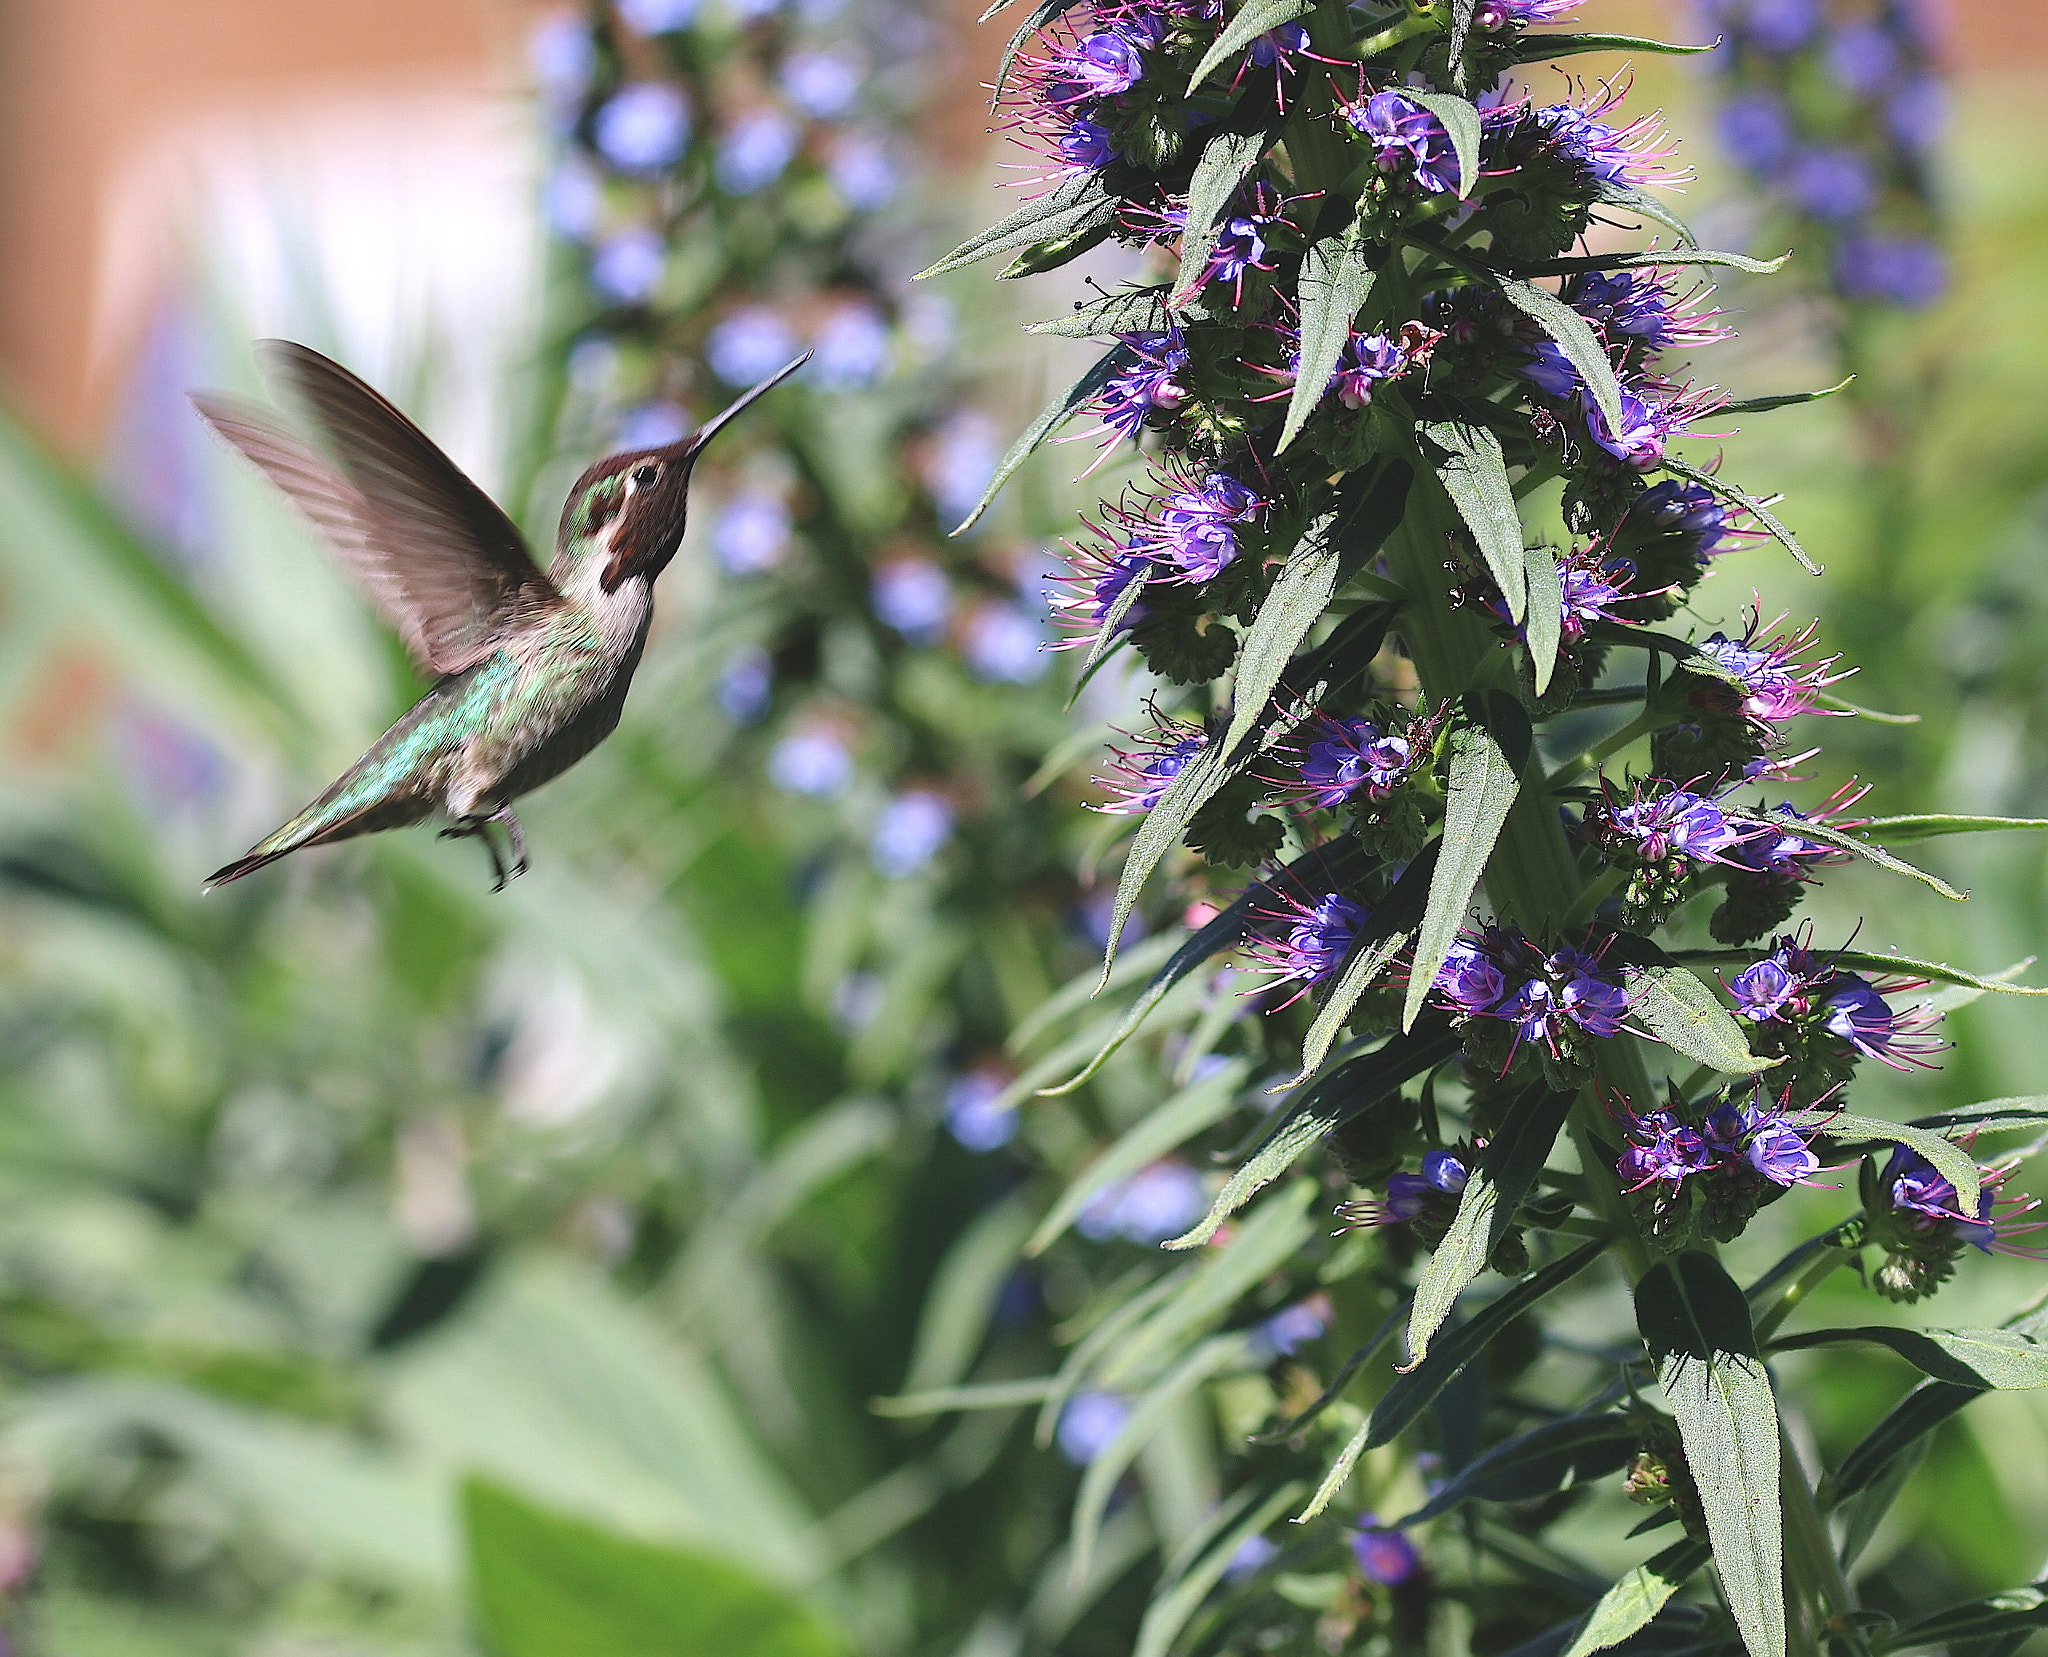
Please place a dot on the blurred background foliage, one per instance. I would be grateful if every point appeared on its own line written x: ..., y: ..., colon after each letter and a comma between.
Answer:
x: 386, y: 1266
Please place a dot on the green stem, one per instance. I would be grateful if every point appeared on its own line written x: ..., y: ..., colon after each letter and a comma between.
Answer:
x: 1646, y: 723
x: 1394, y: 33
x: 1823, y: 1267
x: 1814, y: 1573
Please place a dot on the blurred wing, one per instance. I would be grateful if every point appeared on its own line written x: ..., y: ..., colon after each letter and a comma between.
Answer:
x: 433, y: 550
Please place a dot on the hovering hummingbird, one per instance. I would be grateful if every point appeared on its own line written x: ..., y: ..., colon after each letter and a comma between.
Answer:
x: 531, y: 666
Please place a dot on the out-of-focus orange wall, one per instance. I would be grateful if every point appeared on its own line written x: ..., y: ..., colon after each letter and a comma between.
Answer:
x: 84, y: 84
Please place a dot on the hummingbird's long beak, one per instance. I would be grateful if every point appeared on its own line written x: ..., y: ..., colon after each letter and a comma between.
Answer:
x: 693, y: 445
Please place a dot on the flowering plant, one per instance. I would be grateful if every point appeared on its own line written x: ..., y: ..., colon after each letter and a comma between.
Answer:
x: 1412, y: 535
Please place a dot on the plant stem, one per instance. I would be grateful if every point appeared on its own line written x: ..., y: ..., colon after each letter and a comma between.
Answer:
x: 1823, y: 1267
x: 1815, y: 1573
x: 1651, y: 719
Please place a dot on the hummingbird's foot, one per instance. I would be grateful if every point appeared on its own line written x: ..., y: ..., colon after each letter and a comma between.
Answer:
x: 479, y: 828
x: 517, y: 835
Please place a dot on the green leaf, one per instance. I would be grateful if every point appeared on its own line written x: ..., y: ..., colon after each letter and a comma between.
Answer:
x: 1152, y: 1412
x: 1061, y: 211
x: 1494, y: 1189
x: 1867, y: 1511
x: 1909, y: 1421
x: 1269, y: 1238
x: 1335, y: 284
x: 1285, y: 1430
x: 1529, y: 48
x: 1897, y: 831
x: 1040, y: 15
x: 1951, y: 1161
x: 1575, y: 337
x: 1841, y: 704
x: 1555, y: 1456
x: 963, y: 1296
x: 1175, y: 1603
x: 1544, y: 627
x: 1685, y: 1016
x: 1068, y: 403
x: 2008, y: 1115
x: 1221, y: 933
x: 1616, y: 194
x: 1126, y: 311
x: 1996, y: 1360
x: 1063, y: 249
x: 1975, y: 1619
x: 1634, y: 1601
x: 1849, y: 843
x: 1327, y: 1103
x: 1461, y: 120
x: 1188, y: 1113
x: 1763, y: 405
x: 1749, y: 503
x: 1159, y: 831
x: 1413, y: 1390
x: 1141, y: 958
x: 1655, y: 259
x: 1368, y: 961
x: 1299, y: 597
x: 1483, y: 785
x: 990, y: 1395
x: 1863, y: 960
x: 1475, y: 476
x: 548, y: 1586
x: 1226, y: 159
x: 1106, y: 636
x: 1088, y: 1352
x: 1696, y: 1325
x: 1257, y: 17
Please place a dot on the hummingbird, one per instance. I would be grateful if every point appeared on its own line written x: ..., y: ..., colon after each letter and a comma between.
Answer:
x: 530, y: 666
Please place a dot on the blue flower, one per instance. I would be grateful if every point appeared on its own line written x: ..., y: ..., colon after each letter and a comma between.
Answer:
x: 1661, y: 1148
x: 1781, y: 26
x: 1856, y: 1013
x: 1908, y: 271
x: 563, y: 59
x: 1307, y: 941
x: 1085, y: 147
x: 1617, y: 155
x: 755, y: 152
x: 821, y: 84
x: 1833, y: 184
x: 1756, y: 131
x: 627, y: 268
x: 745, y: 685
x: 851, y: 348
x: 1863, y: 57
x: 1088, y: 1424
x: 654, y: 426
x: 862, y: 173
x: 749, y: 345
x: 657, y: 17
x: 1471, y: 981
x: 1150, y: 384
x: 913, y: 596
x: 1367, y: 359
x: 1157, y: 1202
x: 1004, y: 644
x: 909, y: 833
x: 751, y: 532
x: 813, y: 761
x: 962, y: 460
x: 574, y: 201
x: 1139, y: 776
x: 1442, y: 1171
x: 972, y: 1114
x: 1675, y: 507
x: 1348, y: 755
x: 1253, y: 1555
x: 1404, y: 133
x: 643, y: 127
x: 1384, y: 1556
x: 1290, y: 1328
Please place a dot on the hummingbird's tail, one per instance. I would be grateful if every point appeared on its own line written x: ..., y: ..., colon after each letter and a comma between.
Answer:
x: 334, y: 816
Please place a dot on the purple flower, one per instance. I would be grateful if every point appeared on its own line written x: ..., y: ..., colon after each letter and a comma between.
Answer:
x: 1855, y: 1012
x: 1781, y: 26
x: 1676, y: 823
x: 1004, y: 644
x: 862, y: 173
x: 1197, y: 526
x: 1100, y: 66
x: 575, y: 200
x: 1085, y: 147
x: 1156, y: 1203
x: 1366, y: 360
x: 1780, y: 1153
x: 1549, y: 369
x: 1253, y: 1555
x: 1139, y: 776
x: 1616, y: 155
x: 1151, y: 383
x: 1916, y: 114
x: 1909, y: 271
x: 628, y: 267
x: 1089, y: 1423
x: 1402, y: 130
x: 1638, y: 308
x: 1241, y: 243
x: 745, y: 685
x: 1350, y: 754
x: 963, y: 458
x: 851, y: 348
x: 1756, y: 131
x: 1473, y: 979
x: 1290, y: 1328
x: 643, y: 127
x: 910, y: 831
x: 1775, y: 990
x: 1596, y: 1004
x: 821, y: 84
x: 1647, y: 425
x: 1384, y: 1556
x: 1098, y: 578
x: 751, y: 532
x: 754, y: 153
x: 1444, y: 1172
x: 974, y: 1115
x: 1833, y: 184
x: 1863, y: 57
x: 813, y: 761
x: 657, y: 17
x: 1912, y: 1183
x: 653, y: 426
x: 1662, y: 1148
x: 913, y: 596
x: 1494, y: 15
x: 1775, y: 685
x: 1317, y: 937
x: 563, y: 58
x: 1675, y: 507
x: 1590, y: 593
x: 748, y: 345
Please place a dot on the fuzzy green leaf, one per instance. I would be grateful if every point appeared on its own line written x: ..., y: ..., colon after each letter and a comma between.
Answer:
x: 1483, y: 785
x: 1576, y: 339
x: 1749, y: 503
x: 1897, y: 831
x: 1627, y: 196
x: 1461, y: 120
x: 1634, y: 1601
x: 1555, y: 1456
x: 1826, y: 836
x: 1055, y: 413
x: 1544, y: 625
x: 1058, y: 212
x: 1475, y: 476
x: 991, y: 1395
x: 1997, y: 1360
x: 1257, y: 17
x: 1226, y: 160
x: 1684, y: 1015
x: 1158, y: 833
x: 1335, y: 283
x: 1696, y: 1325
x: 1532, y: 48
x: 2009, y: 1612
x: 1368, y: 961
x: 1126, y: 311
x: 2012, y: 1114
x: 1763, y: 405
x: 1656, y: 259
x: 1299, y: 597
x: 1863, y: 960
x: 1951, y: 1161
x: 1498, y: 1182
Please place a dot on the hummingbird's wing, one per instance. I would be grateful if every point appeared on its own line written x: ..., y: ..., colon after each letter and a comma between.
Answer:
x: 437, y: 556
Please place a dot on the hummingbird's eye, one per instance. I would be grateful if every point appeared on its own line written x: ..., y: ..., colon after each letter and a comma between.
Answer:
x: 645, y: 474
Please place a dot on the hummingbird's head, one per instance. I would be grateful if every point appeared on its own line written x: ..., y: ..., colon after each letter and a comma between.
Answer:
x: 630, y: 508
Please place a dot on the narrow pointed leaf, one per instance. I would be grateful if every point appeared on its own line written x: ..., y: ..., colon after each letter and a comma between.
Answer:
x: 1226, y: 159
x: 1683, y: 1014
x: 1360, y: 1356
x: 1173, y: 1606
x: 1532, y: 48
x: 1896, y: 831
x: 1338, y: 1472
x: 1127, y: 311
x: 1071, y: 997
x: 991, y: 1395
x: 1056, y: 213
x: 1335, y: 283
x: 1188, y: 1113
x: 1616, y: 194
x: 1633, y: 1602
x: 1159, y: 832
x: 1576, y: 339
x: 1543, y: 628
x: 1749, y: 503
x: 1413, y: 1390
x: 1955, y: 1164
x: 1696, y: 1325
x: 1107, y: 634
x: 1461, y: 120
x: 1655, y: 259
x: 2009, y: 1115
x: 1494, y: 1189
x: 1367, y: 962
x: 1475, y: 476
x: 1850, y: 843
x: 1063, y: 249
x: 1483, y: 785
x: 1763, y: 405
x: 2012, y: 1611
x: 1841, y: 704
x: 1326, y: 1103
x: 1863, y: 960
x: 1068, y: 403
x: 1868, y: 1510
x: 1088, y: 1353
x: 1995, y: 1360
x: 1555, y: 1456
x: 1300, y: 595
x: 1256, y: 18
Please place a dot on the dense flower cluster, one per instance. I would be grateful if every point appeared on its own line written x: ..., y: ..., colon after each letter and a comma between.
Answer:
x: 1712, y: 1167
x: 1837, y: 110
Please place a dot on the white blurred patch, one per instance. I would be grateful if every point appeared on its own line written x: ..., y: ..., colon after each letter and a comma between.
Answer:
x: 563, y: 1057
